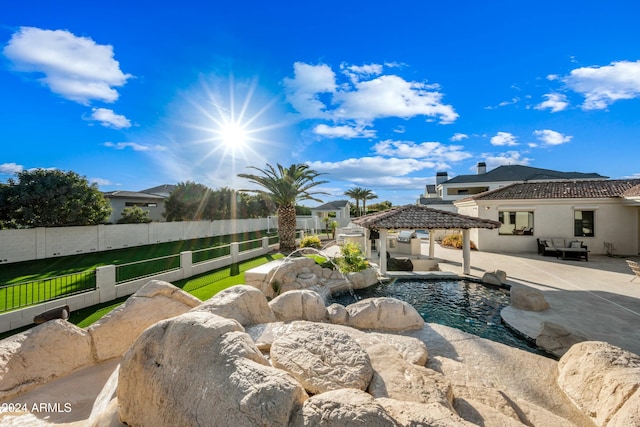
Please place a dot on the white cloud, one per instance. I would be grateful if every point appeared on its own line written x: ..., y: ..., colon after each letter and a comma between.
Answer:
x: 108, y: 118
x: 100, y: 181
x: 602, y: 86
x: 368, y: 168
x: 504, y: 138
x: 551, y: 137
x: 316, y: 94
x: 134, y: 146
x: 355, y: 72
x: 555, y: 102
x: 76, y: 68
x: 433, y: 151
x: 346, y: 132
x: 459, y: 137
x: 10, y: 168
x: 508, y: 158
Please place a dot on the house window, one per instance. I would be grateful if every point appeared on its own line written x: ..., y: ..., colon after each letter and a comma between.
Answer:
x: 519, y: 223
x: 583, y: 223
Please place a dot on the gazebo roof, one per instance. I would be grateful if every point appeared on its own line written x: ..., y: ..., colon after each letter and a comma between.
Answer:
x: 421, y: 217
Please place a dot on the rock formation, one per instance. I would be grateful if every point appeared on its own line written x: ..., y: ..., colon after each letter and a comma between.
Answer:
x: 529, y: 299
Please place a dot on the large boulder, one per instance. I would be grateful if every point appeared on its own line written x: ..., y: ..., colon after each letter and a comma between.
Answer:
x: 556, y: 339
x: 299, y: 305
x: 156, y: 300
x: 345, y: 407
x: 245, y: 304
x: 495, y: 278
x: 321, y: 358
x: 387, y: 314
x: 528, y: 299
x: 390, y: 371
x: 412, y: 414
x: 603, y: 381
x: 43, y: 353
x: 200, y: 369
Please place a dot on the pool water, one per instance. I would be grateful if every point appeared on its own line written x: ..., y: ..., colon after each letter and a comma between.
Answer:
x: 468, y: 306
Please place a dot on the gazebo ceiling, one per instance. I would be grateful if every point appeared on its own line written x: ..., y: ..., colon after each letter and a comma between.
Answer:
x: 421, y: 217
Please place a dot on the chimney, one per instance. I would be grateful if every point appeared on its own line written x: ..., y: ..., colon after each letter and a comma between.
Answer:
x: 482, y: 168
x: 441, y: 177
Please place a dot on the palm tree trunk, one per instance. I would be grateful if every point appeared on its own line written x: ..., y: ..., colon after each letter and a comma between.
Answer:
x: 287, y: 228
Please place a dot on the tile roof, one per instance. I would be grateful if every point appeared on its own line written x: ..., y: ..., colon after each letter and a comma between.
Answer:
x: 521, y: 173
x: 131, y: 195
x: 331, y: 206
x: 421, y: 217
x: 596, y: 189
x: 632, y: 192
x: 434, y: 201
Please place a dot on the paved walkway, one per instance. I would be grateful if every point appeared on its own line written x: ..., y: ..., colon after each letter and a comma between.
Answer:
x: 593, y: 297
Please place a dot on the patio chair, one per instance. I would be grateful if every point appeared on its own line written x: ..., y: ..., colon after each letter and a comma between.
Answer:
x: 635, y: 267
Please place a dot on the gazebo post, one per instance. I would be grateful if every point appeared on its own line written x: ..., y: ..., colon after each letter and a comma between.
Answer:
x: 432, y: 244
x: 466, y: 251
x: 383, y: 251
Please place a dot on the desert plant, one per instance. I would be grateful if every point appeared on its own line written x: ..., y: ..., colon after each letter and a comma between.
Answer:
x: 311, y: 242
x: 352, y: 258
x: 455, y: 241
x: 333, y: 225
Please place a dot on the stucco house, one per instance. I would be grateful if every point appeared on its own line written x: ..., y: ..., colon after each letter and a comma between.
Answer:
x: 341, y: 210
x: 446, y: 191
x: 603, y: 214
x: 151, y: 199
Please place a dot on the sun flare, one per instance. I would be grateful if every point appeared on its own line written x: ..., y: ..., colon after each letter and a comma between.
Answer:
x: 233, y: 135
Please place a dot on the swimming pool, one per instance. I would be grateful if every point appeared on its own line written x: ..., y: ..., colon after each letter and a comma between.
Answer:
x: 471, y: 307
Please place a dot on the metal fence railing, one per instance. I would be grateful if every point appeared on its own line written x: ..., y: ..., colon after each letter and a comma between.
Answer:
x: 207, y: 254
x: 146, y: 268
x: 249, y: 244
x: 16, y: 295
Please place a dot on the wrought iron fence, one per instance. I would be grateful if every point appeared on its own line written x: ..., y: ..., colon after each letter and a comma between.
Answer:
x: 16, y: 295
x: 146, y: 268
x: 207, y: 254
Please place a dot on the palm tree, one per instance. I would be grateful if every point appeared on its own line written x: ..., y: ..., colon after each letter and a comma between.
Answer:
x: 356, y: 194
x: 367, y: 195
x: 285, y: 186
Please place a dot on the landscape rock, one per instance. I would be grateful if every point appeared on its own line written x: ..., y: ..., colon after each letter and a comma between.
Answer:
x: 321, y: 358
x: 243, y: 303
x: 496, y: 278
x: 45, y: 352
x: 390, y: 372
x: 344, y: 407
x: 157, y: 300
x: 556, y: 339
x: 412, y: 414
x: 299, y: 305
x: 386, y: 314
x: 602, y: 379
x: 337, y: 314
x: 529, y: 299
x: 220, y: 378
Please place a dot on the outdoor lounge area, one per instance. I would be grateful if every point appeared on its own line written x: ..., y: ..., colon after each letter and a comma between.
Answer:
x: 563, y: 248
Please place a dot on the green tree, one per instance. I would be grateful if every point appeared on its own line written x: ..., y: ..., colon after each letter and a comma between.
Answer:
x: 135, y: 215
x: 286, y: 186
x: 51, y: 198
x: 360, y: 194
x: 379, y: 207
x: 187, y: 202
x: 367, y: 195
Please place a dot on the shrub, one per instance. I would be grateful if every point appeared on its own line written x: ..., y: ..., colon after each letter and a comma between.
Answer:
x: 352, y: 259
x: 455, y: 241
x: 310, y: 242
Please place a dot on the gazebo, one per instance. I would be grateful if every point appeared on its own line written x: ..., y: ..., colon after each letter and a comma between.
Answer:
x: 412, y: 217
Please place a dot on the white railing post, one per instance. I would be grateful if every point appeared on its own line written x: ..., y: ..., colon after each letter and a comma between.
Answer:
x: 265, y: 244
x: 106, y: 282
x: 186, y: 264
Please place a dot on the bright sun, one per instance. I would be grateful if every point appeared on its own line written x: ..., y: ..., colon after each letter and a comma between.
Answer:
x: 233, y: 135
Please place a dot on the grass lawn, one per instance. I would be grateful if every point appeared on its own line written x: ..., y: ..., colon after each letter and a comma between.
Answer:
x: 203, y: 287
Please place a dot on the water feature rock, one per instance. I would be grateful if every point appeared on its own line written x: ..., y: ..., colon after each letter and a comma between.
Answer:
x: 390, y: 371
x: 344, y: 407
x: 529, y: 299
x: 556, y: 339
x: 337, y: 314
x: 321, y: 358
x: 496, y: 278
x: 243, y: 303
x: 156, y: 300
x: 386, y: 314
x: 41, y: 354
x: 299, y: 305
x: 426, y: 414
x: 603, y: 381
x: 201, y: 369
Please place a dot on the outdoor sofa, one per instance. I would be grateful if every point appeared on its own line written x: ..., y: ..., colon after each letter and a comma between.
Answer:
x: 563, y: 248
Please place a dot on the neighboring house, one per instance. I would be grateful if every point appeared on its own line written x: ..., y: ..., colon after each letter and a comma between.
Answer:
x: 151, y: 200
x: 448, y: 190
x: 341, y: 210
x: 604, y: 214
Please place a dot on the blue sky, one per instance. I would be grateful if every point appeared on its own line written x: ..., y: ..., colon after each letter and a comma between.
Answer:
x: 375, y: 94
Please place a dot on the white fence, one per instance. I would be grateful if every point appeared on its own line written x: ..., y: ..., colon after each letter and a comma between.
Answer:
x: 107, y: 289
